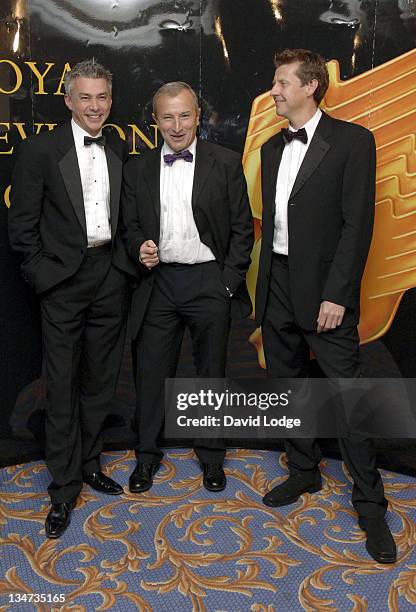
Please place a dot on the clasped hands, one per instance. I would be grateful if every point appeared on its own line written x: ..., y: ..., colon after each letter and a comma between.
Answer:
x: 330, y: 316
x: 148, y: 254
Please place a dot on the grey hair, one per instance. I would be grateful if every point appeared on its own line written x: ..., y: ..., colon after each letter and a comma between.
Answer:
x: 89, y: 69
x: 173, y: 89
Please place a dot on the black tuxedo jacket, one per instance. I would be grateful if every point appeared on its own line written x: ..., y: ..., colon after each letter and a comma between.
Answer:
x: 47, y: 217
x: 330, y: 220
x: 221, y: 211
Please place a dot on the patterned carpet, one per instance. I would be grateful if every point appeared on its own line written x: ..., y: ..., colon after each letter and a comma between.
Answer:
x: 180, y: 548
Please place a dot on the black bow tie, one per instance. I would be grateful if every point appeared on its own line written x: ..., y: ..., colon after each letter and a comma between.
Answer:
x: 169, y: 158
x: 288, y: 135
x: 89, y: 140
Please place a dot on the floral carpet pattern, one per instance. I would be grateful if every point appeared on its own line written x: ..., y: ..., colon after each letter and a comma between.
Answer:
x: 181, y: 548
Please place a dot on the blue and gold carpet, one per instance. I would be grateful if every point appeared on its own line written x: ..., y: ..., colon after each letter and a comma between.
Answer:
x: 180, y: 548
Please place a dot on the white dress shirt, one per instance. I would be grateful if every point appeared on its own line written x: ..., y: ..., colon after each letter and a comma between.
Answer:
x: 179, y: 241
x: 95, y: 187
x: 292, y: 158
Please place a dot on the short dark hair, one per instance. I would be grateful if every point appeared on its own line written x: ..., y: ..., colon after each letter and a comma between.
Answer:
x: 173, y: 89
x: 312, y: 66
x: 89, y: 69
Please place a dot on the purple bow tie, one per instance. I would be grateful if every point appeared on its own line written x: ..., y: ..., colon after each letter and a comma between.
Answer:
x: 169, y: 158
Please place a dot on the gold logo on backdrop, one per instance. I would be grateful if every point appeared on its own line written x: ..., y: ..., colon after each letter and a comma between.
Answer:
x: 384, y: 101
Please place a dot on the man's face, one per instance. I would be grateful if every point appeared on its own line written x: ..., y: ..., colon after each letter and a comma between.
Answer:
x: 289, y: 95
x: 90, y: 103
x: 177, y: 119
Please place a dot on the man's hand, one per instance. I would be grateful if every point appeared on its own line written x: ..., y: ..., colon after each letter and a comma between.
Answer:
x: 330, y: 316
x: 148, y: 254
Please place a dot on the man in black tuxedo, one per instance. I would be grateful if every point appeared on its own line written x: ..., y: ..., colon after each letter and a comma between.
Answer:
x: 318, y: 185
x: 63, y: 220
x: 188, y: 229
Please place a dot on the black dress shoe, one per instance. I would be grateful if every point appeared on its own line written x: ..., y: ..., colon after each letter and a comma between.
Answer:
x: 214, y: 477
x: 58, y: 519
x: 291, y: 489
x: 102, y: 483
x: 380, y: 544
x: 141, y: 478
x: 113, y: 420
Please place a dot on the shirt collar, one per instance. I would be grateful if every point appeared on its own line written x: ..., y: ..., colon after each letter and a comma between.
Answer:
x: 166, y: 150
x: 311, y: 125
x: 79, y: 133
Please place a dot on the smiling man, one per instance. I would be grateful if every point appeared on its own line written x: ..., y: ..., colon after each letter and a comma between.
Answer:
x: 318, y: 186
x: 188, y: 229
x: 63, y: 220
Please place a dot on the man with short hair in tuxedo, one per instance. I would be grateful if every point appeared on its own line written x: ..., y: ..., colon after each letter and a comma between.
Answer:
x: 318, y: 186
x: 63, y: 219
x: 188, y: 229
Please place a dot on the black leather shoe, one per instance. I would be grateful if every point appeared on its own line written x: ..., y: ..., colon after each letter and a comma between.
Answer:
x: 58, y: 519
x: 380, y: 544
x: 291, y: 489
x: 142, y: 477
x: 102, y: 483
x: 214, y: 477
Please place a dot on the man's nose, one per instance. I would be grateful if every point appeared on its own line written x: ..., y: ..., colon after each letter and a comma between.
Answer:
x: 177, y: 124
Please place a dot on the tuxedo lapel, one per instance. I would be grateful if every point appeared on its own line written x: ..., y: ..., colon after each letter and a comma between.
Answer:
x: 203, y: 165
x: 272, y: 168
x: 69, y: 169
x: 317, y: 150
x: 152, y: 178
x: 114, y: 164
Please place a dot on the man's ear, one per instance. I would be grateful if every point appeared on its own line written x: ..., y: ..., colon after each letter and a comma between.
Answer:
x: 68, y: 101
x: 311, y: 86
